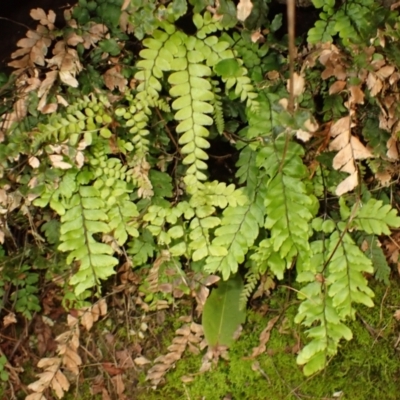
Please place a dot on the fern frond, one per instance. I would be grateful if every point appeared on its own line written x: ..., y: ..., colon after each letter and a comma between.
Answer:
x: 288, y: 206
x: 86, y: 216
x: 376, y: 218
x: 251, y: 279
x: 335, y: 272
x: 371, y: 247
x: 237, y: 233
x: 218, y: 111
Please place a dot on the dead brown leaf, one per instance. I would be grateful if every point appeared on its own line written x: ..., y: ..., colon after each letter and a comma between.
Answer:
x: 114, y: 79
x: 264, y: 338
x: 298, y: 85
x: 349, y: 150
x: 356, y: 95
x: 9, y: 319
x: 337, y: 87
x: 112, y: 369
x: 119, y: 386
x: 244, y: 9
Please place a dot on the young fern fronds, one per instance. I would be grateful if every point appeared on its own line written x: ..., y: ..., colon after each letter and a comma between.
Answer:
x: 218, y: 111
x: 252, y: 277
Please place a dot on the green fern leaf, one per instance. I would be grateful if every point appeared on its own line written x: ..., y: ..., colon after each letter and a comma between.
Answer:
x: 376, y: 218
x: 372, y: 249
x: 335, y: 271
x: 237, y: 233
x: 84, y: 217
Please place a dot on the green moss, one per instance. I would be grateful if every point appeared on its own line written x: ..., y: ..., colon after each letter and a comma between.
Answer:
x: 365, y: 368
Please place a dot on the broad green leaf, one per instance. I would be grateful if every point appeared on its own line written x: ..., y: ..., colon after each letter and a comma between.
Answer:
x: 228, y: 68
x: 222, y: 314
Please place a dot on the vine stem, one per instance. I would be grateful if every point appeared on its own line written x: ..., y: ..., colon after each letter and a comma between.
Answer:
x: 291, y: 12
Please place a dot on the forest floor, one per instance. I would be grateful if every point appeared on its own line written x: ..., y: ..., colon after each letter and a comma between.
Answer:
x: 121, y: 347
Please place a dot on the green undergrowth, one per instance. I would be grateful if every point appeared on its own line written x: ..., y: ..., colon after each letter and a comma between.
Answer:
x: 366, y: 367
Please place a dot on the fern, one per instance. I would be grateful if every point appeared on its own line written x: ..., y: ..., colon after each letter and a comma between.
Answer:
x: 350, y: 21
x: 84, y: 218
x: 335, y: 272
x: 251, y: 278
x: 375, y: 218
x: 372, y: 249
x: 240, y: 222
x: 288, y: 206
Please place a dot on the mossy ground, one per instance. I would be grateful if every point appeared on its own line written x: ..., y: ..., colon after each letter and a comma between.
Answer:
x: 367, y: 367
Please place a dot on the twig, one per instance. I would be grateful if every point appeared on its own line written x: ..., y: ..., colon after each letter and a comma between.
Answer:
x: 291, y: 10
x: 15, y: 22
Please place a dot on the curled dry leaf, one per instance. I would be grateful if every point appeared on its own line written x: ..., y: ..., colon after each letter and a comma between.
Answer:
x: 112, y: 369
x: 374, y: 84
x: 385, y: 72
x: 35, y: 396
x: 119, y: 386
x: 49, y: 108
x: 392, y: 152
x: 9, y: 319
x: 257, y: 37
x: 125, y: 4
x: 303, y: 135
x: 244, y: 9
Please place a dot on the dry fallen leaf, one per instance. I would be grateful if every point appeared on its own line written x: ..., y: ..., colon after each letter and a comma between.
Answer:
x: 9, y: 319
x: 264, y: 338
x: 244, y: 9
x: 337, y: 87
x: 349, y: 149
x: 57, y: 161
x: 304, y: 136
x: 257, y: 37
x: 392, y: 152
x: 141, y: 361
x: 298, y: 85
x: 114, y: 79
x: 34, y: 162
x: 384, y: 177
x: 112, y: 369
